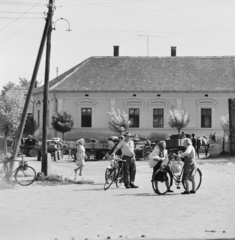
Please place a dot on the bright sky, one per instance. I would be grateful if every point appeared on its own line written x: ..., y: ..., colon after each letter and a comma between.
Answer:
x: 139, y: 27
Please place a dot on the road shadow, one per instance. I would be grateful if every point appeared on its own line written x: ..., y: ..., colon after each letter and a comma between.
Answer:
x: 146, y: 195
x: 93, y: 189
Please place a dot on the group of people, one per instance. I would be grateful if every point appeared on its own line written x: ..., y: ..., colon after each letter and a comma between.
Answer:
x: 125, y: 146
x: 159, y: 155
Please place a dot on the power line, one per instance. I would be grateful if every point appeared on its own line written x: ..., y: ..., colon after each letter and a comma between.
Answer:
x: 21, y: 3
x: 21, y: 12
x: 19, y: 16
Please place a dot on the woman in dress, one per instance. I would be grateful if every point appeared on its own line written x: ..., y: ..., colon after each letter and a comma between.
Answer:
x: 157, y: 157
x: 190, y: 165
x: 81, y: 155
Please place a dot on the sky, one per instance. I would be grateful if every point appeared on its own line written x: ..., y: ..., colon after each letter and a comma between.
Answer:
x: 138, y: 27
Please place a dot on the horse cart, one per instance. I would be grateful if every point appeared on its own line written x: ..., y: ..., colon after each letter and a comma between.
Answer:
x: 55, y: 149
x: 94, y: 150
x: 27, y: 148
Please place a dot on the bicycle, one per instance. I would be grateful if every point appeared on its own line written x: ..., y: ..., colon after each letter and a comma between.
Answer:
x: 114, y: 173
x: 24, y: 174
x: 173, y: 170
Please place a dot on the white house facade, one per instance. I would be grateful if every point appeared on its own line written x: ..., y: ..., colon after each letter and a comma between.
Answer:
x: 146, y: 88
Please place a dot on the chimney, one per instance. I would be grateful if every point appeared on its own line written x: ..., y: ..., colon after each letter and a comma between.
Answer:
x: 115, y: 51
x: 173, y: 51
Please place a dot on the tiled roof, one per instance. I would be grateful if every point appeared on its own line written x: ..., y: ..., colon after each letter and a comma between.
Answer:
x: 149, y: 74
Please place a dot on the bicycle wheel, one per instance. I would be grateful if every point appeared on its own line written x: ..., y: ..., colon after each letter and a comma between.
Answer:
x: 120, y: 177
x: 162, y: 181
x: 198, y: 180
x: 3, y: 170
x: 25, y: 175
x: 109, y: 178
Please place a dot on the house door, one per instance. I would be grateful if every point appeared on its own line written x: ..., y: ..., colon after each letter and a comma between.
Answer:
x: 231, y: 107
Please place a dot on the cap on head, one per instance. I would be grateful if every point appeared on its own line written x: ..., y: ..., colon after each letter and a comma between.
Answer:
x: 127, y: 134
x: 80, y: 141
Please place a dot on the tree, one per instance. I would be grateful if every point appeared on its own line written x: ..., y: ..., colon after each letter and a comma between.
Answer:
x: 10, y: 85
x: 30, y: 126
x: 119, y: 121
x: 62, y: 122
x: 10, y: 115
x: 178, y: 119
x: 24, y: 82
x: 7, y: 86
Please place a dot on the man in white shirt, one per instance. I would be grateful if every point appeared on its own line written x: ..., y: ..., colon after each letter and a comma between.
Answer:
x: 129, y: 167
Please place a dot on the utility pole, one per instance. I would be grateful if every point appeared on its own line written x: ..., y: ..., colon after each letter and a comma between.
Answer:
x: 27, y: 101
x: 44, y: 168
x: 147, y: 37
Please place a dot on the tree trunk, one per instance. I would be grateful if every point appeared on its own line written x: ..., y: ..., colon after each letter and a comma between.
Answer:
x: 5, y: 144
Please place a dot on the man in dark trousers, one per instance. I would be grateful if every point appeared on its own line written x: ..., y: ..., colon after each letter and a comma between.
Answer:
x: 194, y: 141
x: 129, y: 167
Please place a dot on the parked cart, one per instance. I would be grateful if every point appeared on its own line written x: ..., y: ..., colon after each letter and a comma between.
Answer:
x: 93, y: 150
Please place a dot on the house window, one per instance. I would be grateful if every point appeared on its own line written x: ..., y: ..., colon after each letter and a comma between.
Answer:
x: 134, y: 117
x: 86, y: 117
x: 38, y: 117
x: 206, y: 117
x: 158, y: 118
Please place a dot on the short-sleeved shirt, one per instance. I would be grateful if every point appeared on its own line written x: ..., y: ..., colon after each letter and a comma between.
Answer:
x: 127, y: 148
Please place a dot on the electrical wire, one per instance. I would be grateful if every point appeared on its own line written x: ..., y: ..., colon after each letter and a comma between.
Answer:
x: 36, y: 4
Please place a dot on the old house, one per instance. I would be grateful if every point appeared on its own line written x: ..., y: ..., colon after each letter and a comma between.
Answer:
x: 146, y: 88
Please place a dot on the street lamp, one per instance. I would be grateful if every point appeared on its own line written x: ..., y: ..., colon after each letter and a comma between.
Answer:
x: 69, y: 30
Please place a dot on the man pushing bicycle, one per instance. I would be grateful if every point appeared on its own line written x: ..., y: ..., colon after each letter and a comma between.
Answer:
x: 129, y: 167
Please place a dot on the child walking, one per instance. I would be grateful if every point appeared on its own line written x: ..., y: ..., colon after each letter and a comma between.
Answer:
x: 81, y: 155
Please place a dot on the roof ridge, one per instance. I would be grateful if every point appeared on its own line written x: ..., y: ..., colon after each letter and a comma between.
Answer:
x: 207, y: 57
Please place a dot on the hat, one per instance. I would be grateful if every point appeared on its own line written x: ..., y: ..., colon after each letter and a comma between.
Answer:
x: 80, y: 140
x: 127, y: 134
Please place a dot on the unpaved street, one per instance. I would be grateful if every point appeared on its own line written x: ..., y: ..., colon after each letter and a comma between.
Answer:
x: 80, y: 211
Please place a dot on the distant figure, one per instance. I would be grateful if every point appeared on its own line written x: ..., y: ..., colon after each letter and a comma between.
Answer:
x: 30, y: 141
x: 194, y: 141
x: 40, y: 141
x: 183, y: 135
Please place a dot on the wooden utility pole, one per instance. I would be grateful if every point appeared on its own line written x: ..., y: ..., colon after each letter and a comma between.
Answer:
x: 30, y: 91
x: 44, y: 168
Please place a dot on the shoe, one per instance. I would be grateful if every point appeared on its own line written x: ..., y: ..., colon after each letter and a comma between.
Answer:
x: 192, y: 191
x: 127, y: 186
x: 169, y: 190
x: 132, y: 185
x: 185, y: 192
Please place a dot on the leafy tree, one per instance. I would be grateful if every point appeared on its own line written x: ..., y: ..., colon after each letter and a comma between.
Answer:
x: 7, y: 86
x: 119, y: 121
x: 24, y: 82
x: 10, y: 115
x: 30, y: 126
x: 62, y: 122
x: 178, y: 119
